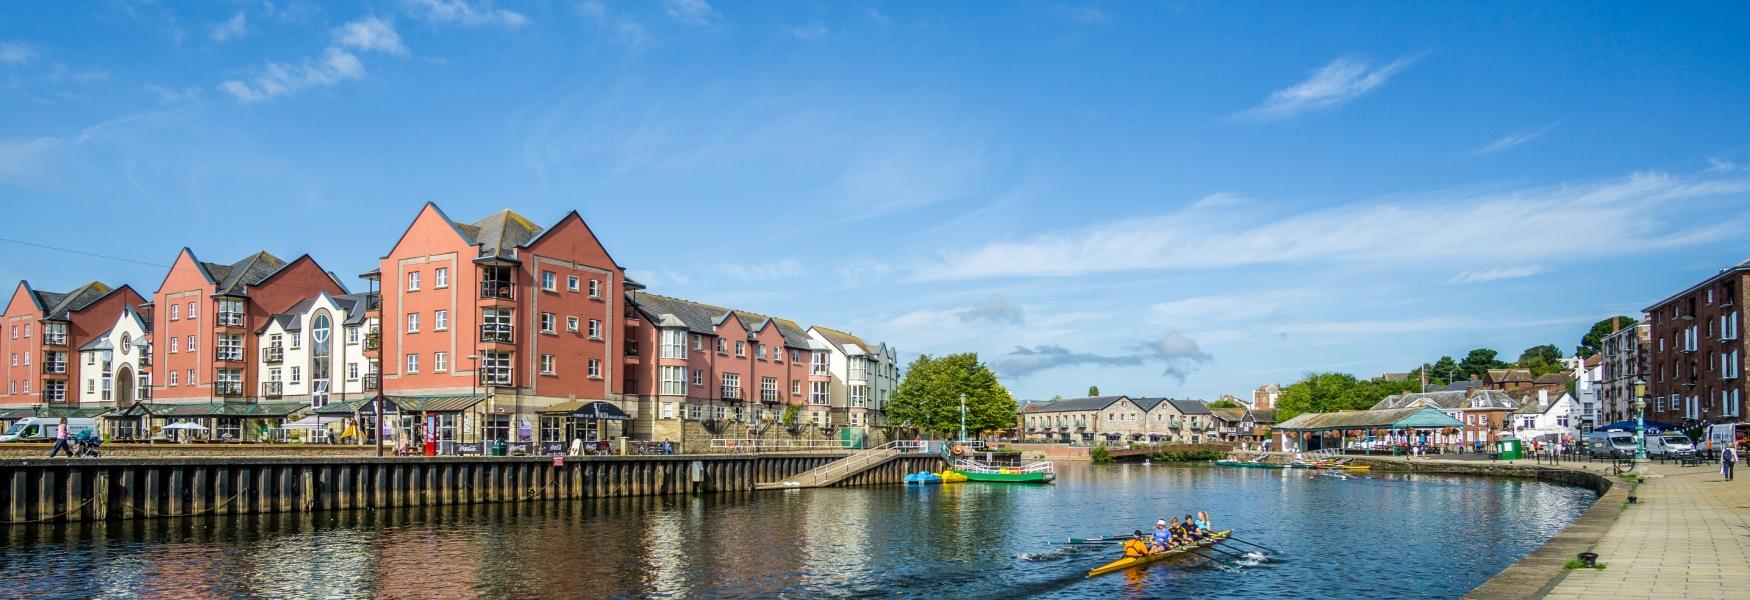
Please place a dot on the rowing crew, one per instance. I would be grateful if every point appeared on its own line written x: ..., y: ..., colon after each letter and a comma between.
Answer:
x: 1169, y: 535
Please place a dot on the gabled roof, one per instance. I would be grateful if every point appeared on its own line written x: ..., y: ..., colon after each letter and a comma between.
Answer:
x: 500, y: 233
x: 1147, y: 404
x: 1190, y: 407
x: 703, y: 318
x: 1551, y: 379
x: 1264, y: 415
x: 1456, y: 386
x: 851, y: 344
x: 57, y: 307
x: 1079, y: 404
x: 1031, y: 406
x: 1452, y: 400
x: 1509, y: 376
x: 1231, y: 415
x: 234, y: 279
x: 354, y: 305
x: 1491, y: 399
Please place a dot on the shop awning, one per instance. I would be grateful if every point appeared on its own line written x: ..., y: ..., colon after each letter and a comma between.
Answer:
x: 446, y: 403
x: 55, y: 412
x: 589, y: 409
x: 344, y: 409
x: 260, y: 410
x: 306, y: 423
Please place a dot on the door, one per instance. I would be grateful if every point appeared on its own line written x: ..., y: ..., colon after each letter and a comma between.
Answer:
x: 124, y: 387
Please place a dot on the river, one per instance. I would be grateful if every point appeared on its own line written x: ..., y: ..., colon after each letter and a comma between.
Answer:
x: 1391, y: 536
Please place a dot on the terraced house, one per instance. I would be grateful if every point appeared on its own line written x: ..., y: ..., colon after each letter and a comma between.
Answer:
x: 863, y: 377
x: 42, y: 336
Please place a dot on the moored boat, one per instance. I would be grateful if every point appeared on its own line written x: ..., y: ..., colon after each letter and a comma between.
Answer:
x: 952, y: 477
x: 923, y: 478
x: 1249, y: 464
x: 1129, y: 562
x: 1039, y: 472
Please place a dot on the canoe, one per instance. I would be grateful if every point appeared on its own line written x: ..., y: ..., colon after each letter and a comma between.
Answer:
x: 1249, y: 464
x: 1355, y: 467
x: 1128, y: 562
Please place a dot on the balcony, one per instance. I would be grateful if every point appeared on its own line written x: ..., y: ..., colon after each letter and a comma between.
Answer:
x: 142, y: 393
x: 373, y: 302
x: 229, y: 389
x: 146, y: 358
x: 497, y: 290
x: 229, y: 354
x: 273, y: 354
x: 498, y: 334
x: 54, y: 396
x: 819, y: 369
x: 230, y: 318
x: 732, y: 393
x: 497, y: 376
x: 54, y: 338
x: 273, y: 389
x: 371, y: 381
x: 374, y: 340
x: 58, y: 367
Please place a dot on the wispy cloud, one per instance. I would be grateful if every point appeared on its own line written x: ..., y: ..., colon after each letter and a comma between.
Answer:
x: 16, y: 53
x: 811, y: 31
x: 464, y: 13
x: 691, y: 12
x: 1513, y: 139
x: 1086, y: 15
x: 1496, y: 274
x: 1569, y: 218
x: 1330, y: 86
x: 625, y: 30
x: 1177, y: 355
x: 23, y: 159
x: 769, y: 271
x: 1717, y: 164
x: 861, y: 272
x: 232, y: 29
x: 995, y: 309
x: 167, y: 95
x: 336, y: 64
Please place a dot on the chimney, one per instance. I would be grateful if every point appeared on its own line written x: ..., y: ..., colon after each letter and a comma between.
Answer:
x: 1615, y: 323
x: 1542, y: 397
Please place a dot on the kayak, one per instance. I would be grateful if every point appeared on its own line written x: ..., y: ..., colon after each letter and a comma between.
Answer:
x: 1249, y: 464
x: 1128, y: 562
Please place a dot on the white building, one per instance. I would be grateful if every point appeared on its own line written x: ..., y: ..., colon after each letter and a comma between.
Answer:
x: 314, y: 352
x: 1588, y: 375
x: 858, y: 373
x: 117, y: 364
x: 1547, y: 417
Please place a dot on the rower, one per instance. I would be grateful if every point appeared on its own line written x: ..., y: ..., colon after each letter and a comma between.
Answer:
x: 1192, y: 531
x: 1203, y: 521
x: 1177, y: 531
x: 1163, y: 538
x: 1135, y: 547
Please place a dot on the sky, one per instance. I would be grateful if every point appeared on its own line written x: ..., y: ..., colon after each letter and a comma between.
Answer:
x: 1159, y: 198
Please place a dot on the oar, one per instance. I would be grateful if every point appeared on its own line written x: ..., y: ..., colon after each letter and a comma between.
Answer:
x: 1265, y: 548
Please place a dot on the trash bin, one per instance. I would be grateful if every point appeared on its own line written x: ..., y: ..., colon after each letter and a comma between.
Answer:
x: 1510, y: 449
x: 500, y: 448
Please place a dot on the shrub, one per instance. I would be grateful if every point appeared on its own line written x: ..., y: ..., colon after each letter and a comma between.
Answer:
x: 1186, y: 455
x: 1099, y: 454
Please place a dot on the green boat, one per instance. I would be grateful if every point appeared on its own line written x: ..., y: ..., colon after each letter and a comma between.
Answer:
x: 1039, y: 472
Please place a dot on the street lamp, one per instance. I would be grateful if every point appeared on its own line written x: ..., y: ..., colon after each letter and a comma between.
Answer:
x: 963, y: 417
x: 1640, y: 419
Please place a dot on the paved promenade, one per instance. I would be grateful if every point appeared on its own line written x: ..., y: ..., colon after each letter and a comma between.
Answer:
x: 1689, y: 538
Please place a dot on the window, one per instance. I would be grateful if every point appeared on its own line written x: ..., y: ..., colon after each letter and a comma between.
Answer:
x: 740, y: 348
x: 796, y: 388
x: 722, y: 346
x: 175, y: 312
x: 352, y: 371
x: 731, y: 386
x: 595, y: 288
x: 191, y: 343
x: 673, y: 341
x: 413, y: 363
x: 230, y: 346
x: 698, y: 342
x: 191, y: 378
x: 595, y: 368
x: 440, y: 362
x: 297, y: 340
x: 549, y: 280
x: 699, y: 378
x: 573, y: 283
x: 759, y: 350
x: 412, y: 322
x: 352, y: 335
x: 571, y: 324
x: 441, y: 277
x: 297, y: 374
x: 819, y: 364
x: 795, y: 356
x: 859, y: 393
x: 193, y: 311
x: 173, y: 344
x: 549, y: 323
x: 440, y: 320
x: 674, y: 381
x: 546, y: 364
x: 498, y: 427
x: 769, y: 389
x: 595, y: 329
x: 413, y: 281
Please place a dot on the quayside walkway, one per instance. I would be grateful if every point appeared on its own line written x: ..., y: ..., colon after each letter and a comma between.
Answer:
x: 862, y: 462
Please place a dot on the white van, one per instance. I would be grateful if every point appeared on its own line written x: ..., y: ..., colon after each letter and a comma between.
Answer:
x: 36, y: 429
x: 1668, y: 444
x: 1720, y: 436
x: 1611, y: 444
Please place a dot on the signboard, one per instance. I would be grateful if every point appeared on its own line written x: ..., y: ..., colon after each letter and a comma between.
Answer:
x: 524, y: 448
x: 469, y: 448
x: 554, y: 448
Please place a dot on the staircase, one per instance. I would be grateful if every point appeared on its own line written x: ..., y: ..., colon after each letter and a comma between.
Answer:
x: 838, y: 470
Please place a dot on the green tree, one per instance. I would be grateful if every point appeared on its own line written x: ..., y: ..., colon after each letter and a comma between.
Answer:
x: 1225, y: 403
x: 1093, y: 390
x: 1593, y: 341
x: 929, y: 396
x: 1056, y: 397
x: 1330, y: 392
x: 1478, y: 362
x: 1541, y: 359
x: 1443, y: 371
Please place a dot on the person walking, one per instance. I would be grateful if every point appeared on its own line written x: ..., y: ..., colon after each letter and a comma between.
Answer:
x: 1728, y: 459
x: 61, y: 440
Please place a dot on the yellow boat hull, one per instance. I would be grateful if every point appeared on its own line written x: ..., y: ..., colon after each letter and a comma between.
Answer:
x: 1128, y: 562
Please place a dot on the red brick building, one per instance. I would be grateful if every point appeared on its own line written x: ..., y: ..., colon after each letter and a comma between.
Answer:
x: 42, y: 334
x: 1694, y: 369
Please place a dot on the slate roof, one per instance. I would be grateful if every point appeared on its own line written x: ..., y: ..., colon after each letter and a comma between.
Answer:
x: 1231, y: 415
x: 1456, y: 386
x: 499, y: 233
x: 1079, y: 404
x: 1452, y: 400
x: 1031, y: 406
x: 354, y: 305
x: 233, y: 279
x: 1509, y: 376
x: 1147, y: 404
x: 1190, y: 407
x: 1267, y: 415
x: 229, y: 409
x: 101, y: 342
x: 1491, y: 399
x: 845, y: 342
x: 1551, y: 379
x: 703, y: 318
x: 57, y: 306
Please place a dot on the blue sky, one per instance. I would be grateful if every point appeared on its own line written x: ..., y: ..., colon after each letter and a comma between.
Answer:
x: 1160, y: 198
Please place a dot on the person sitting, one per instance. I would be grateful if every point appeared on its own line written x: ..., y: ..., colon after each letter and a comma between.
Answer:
x: 1192, y: 532
x: 1203, y: 522
x: 1162, y: 537
x: 1177, y: 533
x: 1135, y: 547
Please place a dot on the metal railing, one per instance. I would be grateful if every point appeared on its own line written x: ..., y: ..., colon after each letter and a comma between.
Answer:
x: 765, y: 445
x: 497, y: 290
x: 497, y: 376
x: 370, y: 381
x: 230, y: 319
x: 228, y: 388
x: 492, y: 332
x: 273, y: 354
x: 861, y: 460
x: 233, y: 353
x: 373, y: 302
x: 54, y: 338
x: 373, y: 340
x: 273, y: 389
x: 55, y: 367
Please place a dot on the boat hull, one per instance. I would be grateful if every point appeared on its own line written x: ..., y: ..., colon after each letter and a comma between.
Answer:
x: 1008, y: 477
x: 1130, y: 563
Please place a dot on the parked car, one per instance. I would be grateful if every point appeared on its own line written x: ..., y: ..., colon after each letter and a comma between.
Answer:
x: 1670, y: 444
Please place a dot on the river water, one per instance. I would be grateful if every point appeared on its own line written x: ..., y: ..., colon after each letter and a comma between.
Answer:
x: 1387, y: 536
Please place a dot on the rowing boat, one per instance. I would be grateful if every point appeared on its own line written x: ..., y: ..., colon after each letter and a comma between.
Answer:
x: 1249, y: 464
x: 1128, y: 562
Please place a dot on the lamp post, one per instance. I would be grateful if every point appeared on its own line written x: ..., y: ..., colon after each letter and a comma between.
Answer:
x: 1640, y: 419
x: 963, y: 417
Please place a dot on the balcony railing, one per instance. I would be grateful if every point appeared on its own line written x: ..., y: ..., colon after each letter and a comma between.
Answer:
x: 374, y: 340
x: 497, y: 376
x: 371, y: 381
x: 273, y: 389
x: 373, y: 302
x: 819, y: 369
x: 731, y: 393
x: 229, y: 354
x: 53, y: 338
x: 273, y: 354
x: 230, y: 319
x: 228, y: 388
x: 497, y: 290
x: 54, y: 396
x: 58, y: 367
x: 505, y: 334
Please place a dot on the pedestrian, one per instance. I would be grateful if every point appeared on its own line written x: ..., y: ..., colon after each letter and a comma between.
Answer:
x: 61, y: 440
x: 1728, y: 459
x: 667, y: 447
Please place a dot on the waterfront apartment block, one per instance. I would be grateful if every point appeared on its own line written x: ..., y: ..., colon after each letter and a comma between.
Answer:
x: 1696, y: 354
x: 864, y: 376
x: 115, y: 367
x: 1115, y: 419
x: 1625, y: 355
x: 43, y: 332
x: 314, y: 352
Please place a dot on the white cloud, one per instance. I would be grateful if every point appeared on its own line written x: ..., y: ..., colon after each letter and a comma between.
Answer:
x: 811, y: 31
x: 1569, y: 220
x: 234, y: 28
x: 1085, y: 15
x: 25, y: 158
x: 465, y: 13
x: 278, y: 79
x: 691, y: 12
x: 626, y: 30
x: 1722, y: 165
x: 1334, y: 84
x: 771, y: 271
x: 1496, y: 274
x: 16, y: 53
x: 1513, y: 139
x: 995, y: 309
x: 370, y: 34
x: 1178, y: 356
x: 862, y: 272
x: 170, y: 96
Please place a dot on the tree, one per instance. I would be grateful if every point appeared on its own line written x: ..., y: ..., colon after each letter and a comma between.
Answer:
x: 1330, y: 392
x: 1478, y: 362
x: 1093, y: 390
x: 929, y: 396
x: 1056, y: 397
x: 1541, y: 359
x: 1443, y: 371
x: 1225, y: 403
x: 1593, y: 341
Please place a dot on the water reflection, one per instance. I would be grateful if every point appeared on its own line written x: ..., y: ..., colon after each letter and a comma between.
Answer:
x: 1415, y: 535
